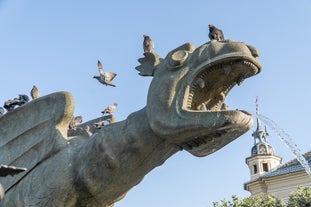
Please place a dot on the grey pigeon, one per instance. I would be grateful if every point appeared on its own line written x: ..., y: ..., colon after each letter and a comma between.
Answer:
x: 99, y: 124
x: 22, y: 99
x: 105, y: 77
x: 88, y: 130
x: 215, y: 33
x: 34, y: 92
x: 110, y: 109
x: 148, y: 44
x: 1, y: 111
x: 75, y: 122
x: 9, y: 105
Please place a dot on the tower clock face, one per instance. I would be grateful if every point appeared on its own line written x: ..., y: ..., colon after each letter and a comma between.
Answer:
x: 262, y: 149
x: 254, y: 151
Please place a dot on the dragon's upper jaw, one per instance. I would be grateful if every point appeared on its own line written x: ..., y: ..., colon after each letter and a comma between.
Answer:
x: 211, y: 83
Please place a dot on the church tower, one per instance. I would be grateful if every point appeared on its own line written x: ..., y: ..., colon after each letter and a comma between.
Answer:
x: 263, y: 158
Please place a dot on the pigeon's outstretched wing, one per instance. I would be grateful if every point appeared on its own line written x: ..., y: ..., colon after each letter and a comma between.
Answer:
x: 109, y: 76
x: 100, y: 67
x: 34, y: 131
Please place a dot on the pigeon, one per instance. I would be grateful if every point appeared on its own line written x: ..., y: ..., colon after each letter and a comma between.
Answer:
x: 22, y: 99
x: 34, y: 92
x: 9, y: 105
x: 105, y: 77
x: 148, y: 44
x: 110, y: 109
x: 99, y: 124
x: 215, y: 33
x: 1, y: 111
x: 75, y: 121
x: 88, y: 130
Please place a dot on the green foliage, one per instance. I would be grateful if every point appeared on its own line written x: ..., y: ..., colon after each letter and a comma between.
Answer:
x: 300, y: 198
x: 261, y: 201
x: 256, y: 201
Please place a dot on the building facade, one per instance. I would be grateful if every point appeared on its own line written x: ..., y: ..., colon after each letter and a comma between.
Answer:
x: 267, y: 174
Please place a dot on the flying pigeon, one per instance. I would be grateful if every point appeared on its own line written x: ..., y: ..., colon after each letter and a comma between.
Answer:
x: 75, y: 121
x: 215, y: 33
x: 34, y: 92
x: 110, y: 109
x: 148, y: 44
x: 105, y: 77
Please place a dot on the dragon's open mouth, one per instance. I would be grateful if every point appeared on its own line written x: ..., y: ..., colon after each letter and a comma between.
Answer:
x: 212, y: 83
x: 207, y: 93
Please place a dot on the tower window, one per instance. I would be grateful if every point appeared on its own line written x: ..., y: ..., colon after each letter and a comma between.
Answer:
x: 265, y: 167
x: 255, y: 169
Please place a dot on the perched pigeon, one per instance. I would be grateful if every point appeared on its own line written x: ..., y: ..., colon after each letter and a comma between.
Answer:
x: 110, y: 109
x: 88, y: 130
x: 34, y: 92
x: 99, y: 124
x: 21, y: 100
x: 105, y: 77
x: 75, y: 121
x: 215, y: 33
x: 148, y: 44
x: 1, y: 111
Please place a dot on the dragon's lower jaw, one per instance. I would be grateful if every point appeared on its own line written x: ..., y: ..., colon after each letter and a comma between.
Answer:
x: 236, y: 123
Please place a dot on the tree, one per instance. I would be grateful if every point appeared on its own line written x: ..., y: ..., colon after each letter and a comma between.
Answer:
x: 262, y: 201
x: 300, y: 198
x: 255, y: 201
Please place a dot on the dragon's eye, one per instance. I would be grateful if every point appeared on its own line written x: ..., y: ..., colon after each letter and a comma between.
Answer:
x: 177, y: 59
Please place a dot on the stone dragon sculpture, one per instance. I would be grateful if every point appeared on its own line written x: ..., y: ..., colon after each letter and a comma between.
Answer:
x: 183, y: 112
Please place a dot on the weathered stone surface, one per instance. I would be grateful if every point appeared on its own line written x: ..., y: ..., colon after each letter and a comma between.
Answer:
x: 98, y: 170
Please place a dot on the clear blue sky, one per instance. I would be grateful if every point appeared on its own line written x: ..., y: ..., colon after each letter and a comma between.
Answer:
x: 56, y: 44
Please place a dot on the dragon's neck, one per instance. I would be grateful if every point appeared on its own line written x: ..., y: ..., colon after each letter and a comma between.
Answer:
x: 121, y: 152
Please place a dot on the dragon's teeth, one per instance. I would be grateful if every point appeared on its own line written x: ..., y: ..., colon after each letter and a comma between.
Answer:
x: 240, y: 80
x: 202, y: 107
x: 200, y: 82
x: 227, y: 69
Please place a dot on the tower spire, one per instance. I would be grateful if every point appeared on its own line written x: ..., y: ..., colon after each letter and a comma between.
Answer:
x: 259, y: 135
x: 262, y: 157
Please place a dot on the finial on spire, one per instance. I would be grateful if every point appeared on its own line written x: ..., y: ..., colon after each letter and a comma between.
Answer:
x: 257, y: 108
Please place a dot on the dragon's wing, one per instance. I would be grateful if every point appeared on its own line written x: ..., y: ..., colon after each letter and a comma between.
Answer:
x: 34, y: 131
